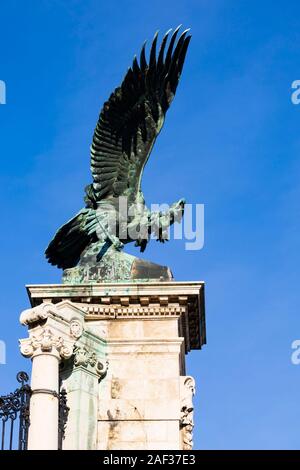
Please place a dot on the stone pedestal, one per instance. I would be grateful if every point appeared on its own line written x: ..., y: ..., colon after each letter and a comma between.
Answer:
x: 126, y: 381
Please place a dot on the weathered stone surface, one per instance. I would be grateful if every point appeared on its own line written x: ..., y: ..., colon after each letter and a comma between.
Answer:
x: 135, y: 435
x: 148, y: 300
x: 125, y: 381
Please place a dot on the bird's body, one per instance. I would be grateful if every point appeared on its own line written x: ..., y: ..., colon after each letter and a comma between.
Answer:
x: 128, y: 125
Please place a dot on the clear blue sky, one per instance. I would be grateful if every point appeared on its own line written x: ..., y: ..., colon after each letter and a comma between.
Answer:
x: 231, y: 141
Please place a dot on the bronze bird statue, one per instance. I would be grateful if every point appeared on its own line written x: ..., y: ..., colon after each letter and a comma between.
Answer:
x: 126, y: 131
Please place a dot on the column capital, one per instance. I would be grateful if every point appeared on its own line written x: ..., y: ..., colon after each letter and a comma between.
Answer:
x: 89, y: 360
x: 46, y: 341
x: 53, y: 329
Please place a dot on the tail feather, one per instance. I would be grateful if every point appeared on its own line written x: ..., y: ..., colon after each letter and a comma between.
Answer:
x: 70, y: 240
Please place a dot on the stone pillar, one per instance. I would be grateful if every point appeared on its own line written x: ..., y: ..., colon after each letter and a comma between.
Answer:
x: 51, y: 340
x: 139, y: 401
x: 80, y: 377
x: 143, y: 331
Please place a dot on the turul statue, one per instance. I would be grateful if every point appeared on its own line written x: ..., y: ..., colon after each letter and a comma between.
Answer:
x: 89, y: 246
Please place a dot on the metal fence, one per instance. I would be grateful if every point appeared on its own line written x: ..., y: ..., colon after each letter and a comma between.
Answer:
x: 15, y: 416
x: 63, y: 412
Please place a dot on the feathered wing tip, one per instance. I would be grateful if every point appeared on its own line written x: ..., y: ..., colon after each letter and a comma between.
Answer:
x: 163, y: 69
x: 146, y: 93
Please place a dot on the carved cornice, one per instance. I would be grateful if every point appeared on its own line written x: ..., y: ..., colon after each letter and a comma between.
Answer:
x: 37, y: 293
x: 118, y: 310
x: 46, y: 342
x: 106, y: 301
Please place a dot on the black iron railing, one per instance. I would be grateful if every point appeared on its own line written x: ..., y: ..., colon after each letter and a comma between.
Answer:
x: 14, y: 413
x: 63, y: 412
x: 15, y: 416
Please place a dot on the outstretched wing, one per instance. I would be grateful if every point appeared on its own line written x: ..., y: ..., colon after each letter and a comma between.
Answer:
x: 126, y: 130
x: 132, y: 118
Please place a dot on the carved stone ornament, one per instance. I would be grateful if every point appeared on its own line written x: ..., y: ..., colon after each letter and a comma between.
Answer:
x: 46, y: 342
x: 36, y: 314
x: 187, y: 412
x: 76, y: 328
x: 82, y: 357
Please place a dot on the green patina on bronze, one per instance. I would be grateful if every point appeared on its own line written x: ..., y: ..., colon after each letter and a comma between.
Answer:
x: 88, y: 247
x: 114, y: 265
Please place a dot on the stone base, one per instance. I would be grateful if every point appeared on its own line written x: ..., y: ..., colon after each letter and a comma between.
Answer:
x: 142, y: 331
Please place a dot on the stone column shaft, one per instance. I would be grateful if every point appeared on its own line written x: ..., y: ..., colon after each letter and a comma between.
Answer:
x: 44, y: 403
